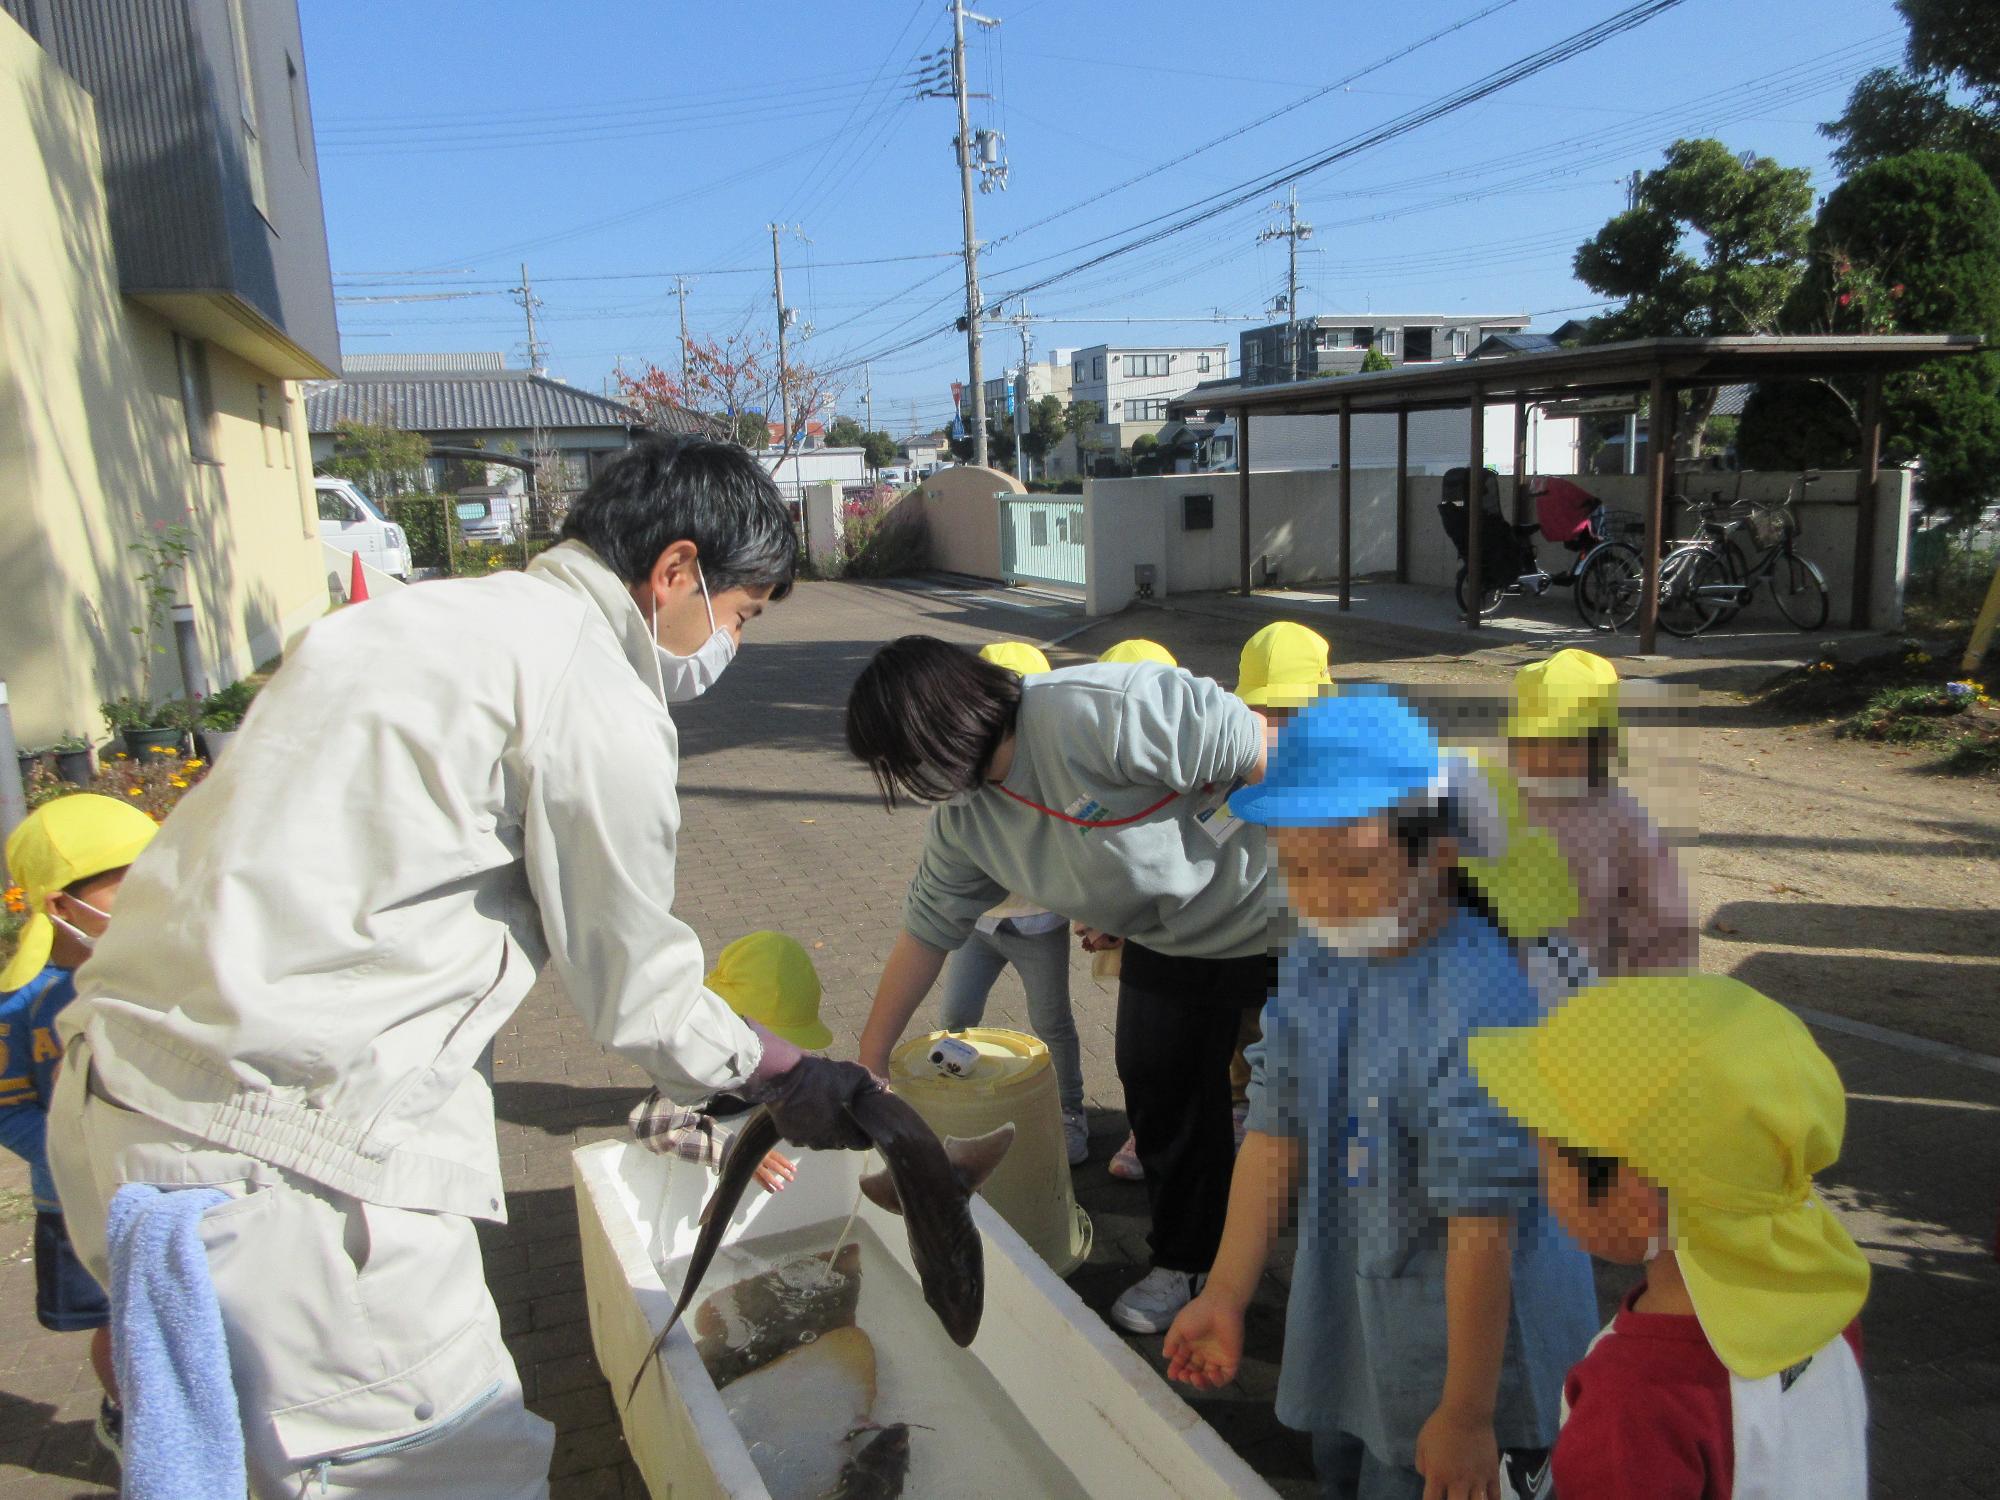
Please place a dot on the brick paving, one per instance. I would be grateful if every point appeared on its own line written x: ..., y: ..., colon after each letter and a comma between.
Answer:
x: 783, y: 831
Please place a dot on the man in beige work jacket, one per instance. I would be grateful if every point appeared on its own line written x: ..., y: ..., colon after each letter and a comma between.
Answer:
x: 438, y: 793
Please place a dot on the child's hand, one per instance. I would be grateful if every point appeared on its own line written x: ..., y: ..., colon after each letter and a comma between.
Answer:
x: 1094, y: 941
x: 1458, y: 1457
x: 1205, y: 1344
x: 775, y: 1171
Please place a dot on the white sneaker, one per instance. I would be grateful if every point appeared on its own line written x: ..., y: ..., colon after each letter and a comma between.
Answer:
x: 1076, y: 1136
x: 1149, y: 1304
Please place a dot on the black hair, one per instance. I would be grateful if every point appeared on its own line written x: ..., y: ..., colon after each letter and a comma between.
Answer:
x: 713, y: 494
x: 1598, y: 1172
x: 75, y: 887
x: 1420, y: 825
x: 926, y: 717
x: 1600, y: 746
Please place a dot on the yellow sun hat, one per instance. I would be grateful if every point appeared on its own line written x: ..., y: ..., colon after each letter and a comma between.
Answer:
x: 1722, y: 1097
x: 769, y: 978
x: 1016, y: 656
x: 1528, y: 884
x: 1136, y: 650
x: 1284, y: 665
x: 1564, y: 697
x: 58, y: 844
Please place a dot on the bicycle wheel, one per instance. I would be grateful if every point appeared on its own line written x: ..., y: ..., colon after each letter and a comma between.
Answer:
x: 1694, y: 587
x: 1489, y: 597
x: 1737, y: 568
x: 1800, y: 591
x: 1609, y: 584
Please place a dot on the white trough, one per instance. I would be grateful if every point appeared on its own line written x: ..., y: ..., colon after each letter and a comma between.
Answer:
x: 1110, y: 1426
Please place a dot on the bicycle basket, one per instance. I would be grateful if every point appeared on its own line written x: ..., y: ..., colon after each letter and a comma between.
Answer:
x: 1624, y: 526
x: 1771, y: 524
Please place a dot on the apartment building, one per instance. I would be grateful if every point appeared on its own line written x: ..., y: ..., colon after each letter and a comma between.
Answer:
x: 163, y: 253
x: 1336, y: 343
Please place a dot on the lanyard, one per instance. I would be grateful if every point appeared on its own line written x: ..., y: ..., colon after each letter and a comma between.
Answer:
x: 1087, y: 822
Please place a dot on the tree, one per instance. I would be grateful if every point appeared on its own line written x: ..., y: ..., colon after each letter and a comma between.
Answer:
x: 1714, y: 246
x: 1906, y: 245
x: 382, y: 460
x: 845, y: 432
x: 1047, y: 422
x: 734, y: 379
x: 1953, y: 47
x: 881, y: 449
x: 1375, y: 360
x: 1146, y: 454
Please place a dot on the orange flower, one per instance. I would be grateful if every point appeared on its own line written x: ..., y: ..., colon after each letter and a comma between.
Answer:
x: 17, y: 900
x: 132, y: 791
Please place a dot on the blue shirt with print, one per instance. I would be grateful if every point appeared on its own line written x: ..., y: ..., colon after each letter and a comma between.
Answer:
x: 27, y: 1076
x: 1363, y: 1061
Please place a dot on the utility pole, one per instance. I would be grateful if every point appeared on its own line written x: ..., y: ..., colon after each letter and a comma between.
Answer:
x: 1292, y: 231
x: 1632, y: 192
x: 868, y: 395
x: 525, y: 295
x: 784, y: 387
x: 1022, y: 390
x: 974, y: 374
x: 687, y: 370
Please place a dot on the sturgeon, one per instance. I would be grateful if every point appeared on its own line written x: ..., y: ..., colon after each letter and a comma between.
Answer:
x: 877, y: 1472
x: 944, y: 1243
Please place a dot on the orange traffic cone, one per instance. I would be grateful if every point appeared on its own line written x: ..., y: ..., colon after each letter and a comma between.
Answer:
x: 357, y: 588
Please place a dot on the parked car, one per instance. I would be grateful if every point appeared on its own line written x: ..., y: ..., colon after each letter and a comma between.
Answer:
x: 486, y: 515
x: 354, y: 523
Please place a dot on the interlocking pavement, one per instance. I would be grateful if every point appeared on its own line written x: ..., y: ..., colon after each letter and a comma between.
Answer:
x: 783, y: 830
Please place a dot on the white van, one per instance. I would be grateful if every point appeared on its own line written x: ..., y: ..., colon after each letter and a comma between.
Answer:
x: 353, y: 523
x: 486, y: 514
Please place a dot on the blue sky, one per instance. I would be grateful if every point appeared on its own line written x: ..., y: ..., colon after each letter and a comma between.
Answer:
x: 609, y: 146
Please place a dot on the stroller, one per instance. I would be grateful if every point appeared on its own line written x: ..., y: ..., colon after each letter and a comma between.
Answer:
x: 1506, y: 551
x: 1606, y: 574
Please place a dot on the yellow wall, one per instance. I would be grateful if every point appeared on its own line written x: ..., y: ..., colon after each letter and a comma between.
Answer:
x: 94, y: 452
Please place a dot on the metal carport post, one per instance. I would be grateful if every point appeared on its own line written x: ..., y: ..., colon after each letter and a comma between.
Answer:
x: 1346, y: 495
x: 1475, y: 491
x: 1243, y: 495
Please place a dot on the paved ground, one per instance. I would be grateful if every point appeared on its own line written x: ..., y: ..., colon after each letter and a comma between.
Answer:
x: 783, y: 831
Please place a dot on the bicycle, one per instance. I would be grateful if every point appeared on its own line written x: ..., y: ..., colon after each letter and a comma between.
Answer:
x: 1707, y: 580
x: 1606, y: 577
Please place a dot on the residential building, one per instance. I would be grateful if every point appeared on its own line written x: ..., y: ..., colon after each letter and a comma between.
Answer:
x: 466, y: 404
x: 1046, y: 377
x: 846, y: 467
x: 922, y: 452
x: 1130, y: 387
x: 1336, y: 343
x: 164, y: 263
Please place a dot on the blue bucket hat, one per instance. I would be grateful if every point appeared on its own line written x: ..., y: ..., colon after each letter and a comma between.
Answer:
x: 1341, y: 760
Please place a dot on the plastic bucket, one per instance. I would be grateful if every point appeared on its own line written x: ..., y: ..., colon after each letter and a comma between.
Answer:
x: 1014, y: 1083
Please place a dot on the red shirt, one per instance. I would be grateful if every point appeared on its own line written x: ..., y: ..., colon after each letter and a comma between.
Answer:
x: 1650, y: 1413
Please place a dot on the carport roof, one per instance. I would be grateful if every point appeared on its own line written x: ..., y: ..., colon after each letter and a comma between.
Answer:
x: 1600, y: 369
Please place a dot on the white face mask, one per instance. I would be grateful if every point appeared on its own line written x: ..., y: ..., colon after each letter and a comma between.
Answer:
x: 1558, y: 788
x: 77, y: 934
x: 685, y: 678
x: 1382, y: 933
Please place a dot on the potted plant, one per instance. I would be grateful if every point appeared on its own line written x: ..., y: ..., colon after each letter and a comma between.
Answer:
x: 29, y: 760
x: 143, y: 726
x: 221, y: 715
x: 73, y: 760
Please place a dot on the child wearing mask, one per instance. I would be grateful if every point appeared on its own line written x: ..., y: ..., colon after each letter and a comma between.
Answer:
x: 764, y: 977
x: 69, y: 857
x: 1680, y: 1119
x: 1434, y: 1305
x: 1634, y: 913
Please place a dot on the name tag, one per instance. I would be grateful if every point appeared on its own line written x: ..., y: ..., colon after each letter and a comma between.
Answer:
x: 1214, y: 817
x: 1085, y: 810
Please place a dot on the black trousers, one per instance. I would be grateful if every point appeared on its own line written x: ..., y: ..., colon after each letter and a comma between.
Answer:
x: 1177, y: 1029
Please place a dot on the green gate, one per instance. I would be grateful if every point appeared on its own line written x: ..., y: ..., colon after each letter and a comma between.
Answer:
x: 1041, y: 540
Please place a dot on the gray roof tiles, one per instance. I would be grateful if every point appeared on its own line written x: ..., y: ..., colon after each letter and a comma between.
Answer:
x: 496, y: 401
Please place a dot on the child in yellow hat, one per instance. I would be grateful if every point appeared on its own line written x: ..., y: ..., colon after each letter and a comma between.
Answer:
x: 69, y: 858
x: 1633, y: 911
x: 764, y: 977
x: 1021, y: 932
x: 1680, y: 1120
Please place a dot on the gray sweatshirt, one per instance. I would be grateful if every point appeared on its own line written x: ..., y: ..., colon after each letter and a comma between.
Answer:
x: 1107, y: 742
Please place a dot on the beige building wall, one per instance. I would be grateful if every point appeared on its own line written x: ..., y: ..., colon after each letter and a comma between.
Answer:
x: 94, y: 452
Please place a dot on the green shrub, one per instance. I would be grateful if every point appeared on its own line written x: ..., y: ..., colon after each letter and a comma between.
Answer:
x: 430, y: 522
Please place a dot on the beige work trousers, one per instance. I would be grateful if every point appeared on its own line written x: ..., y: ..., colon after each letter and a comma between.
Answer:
x: 363, y: 1343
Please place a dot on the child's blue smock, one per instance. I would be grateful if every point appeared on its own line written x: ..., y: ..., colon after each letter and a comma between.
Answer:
x: 28, y: 1073
x: 1364, y: 1061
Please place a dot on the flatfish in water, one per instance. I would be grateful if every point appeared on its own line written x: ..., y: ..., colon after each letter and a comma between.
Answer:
x: 798, y: 1413
x: 751, y: 1322
x: 878, y: 1470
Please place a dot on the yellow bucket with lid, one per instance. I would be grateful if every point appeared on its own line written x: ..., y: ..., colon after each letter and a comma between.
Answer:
x: 1014, y: 1082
